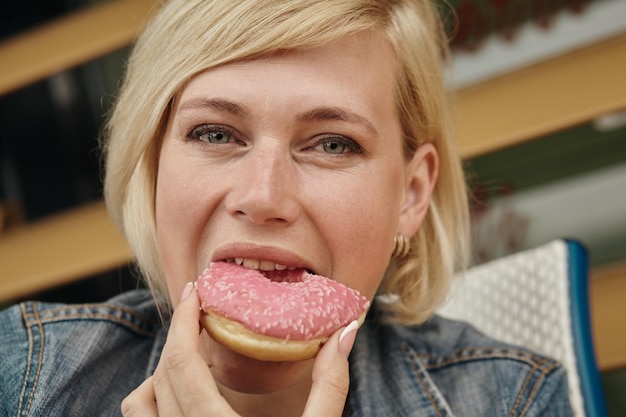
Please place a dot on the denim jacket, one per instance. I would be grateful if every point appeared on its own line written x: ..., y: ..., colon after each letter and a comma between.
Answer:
x: 82, y: 360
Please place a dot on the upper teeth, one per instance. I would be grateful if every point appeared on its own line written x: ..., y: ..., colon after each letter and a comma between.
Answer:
x: 260, y: 264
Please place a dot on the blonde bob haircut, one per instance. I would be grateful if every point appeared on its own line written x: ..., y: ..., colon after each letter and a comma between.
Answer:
x: 186, y: 37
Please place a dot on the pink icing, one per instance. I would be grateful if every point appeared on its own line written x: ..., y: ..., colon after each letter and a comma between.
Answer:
x: 285, y: 304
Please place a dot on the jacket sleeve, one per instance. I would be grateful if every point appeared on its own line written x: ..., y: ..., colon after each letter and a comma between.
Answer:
x: 553, y: 401
x: 14, y: 354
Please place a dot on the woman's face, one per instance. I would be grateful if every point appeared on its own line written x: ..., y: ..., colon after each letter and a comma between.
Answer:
x: 292, y: 159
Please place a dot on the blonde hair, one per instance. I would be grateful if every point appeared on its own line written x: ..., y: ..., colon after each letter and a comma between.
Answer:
x: 186, y: 37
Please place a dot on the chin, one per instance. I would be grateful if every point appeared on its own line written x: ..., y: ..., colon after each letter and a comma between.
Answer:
x: 251, y: 376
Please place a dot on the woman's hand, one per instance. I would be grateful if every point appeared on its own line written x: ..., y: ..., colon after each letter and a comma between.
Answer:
x: 183, y: 385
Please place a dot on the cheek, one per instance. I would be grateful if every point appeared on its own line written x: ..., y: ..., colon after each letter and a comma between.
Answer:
x: 178, y: 216
x: 366, y: 223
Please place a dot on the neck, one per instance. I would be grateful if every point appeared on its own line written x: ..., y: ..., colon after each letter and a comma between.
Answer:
x: 287, y: 402
x: 256, y: 388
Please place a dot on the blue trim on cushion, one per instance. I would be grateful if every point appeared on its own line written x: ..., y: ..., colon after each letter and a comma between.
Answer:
x: 591, y: 385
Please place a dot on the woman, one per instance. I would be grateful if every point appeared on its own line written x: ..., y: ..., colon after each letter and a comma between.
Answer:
x: 300, y: 134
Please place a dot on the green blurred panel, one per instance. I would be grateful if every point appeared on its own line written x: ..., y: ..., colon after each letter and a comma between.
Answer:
x: 564, y: 154
x: 614, y: 383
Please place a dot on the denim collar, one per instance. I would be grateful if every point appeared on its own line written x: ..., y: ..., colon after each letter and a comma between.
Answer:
x: 388, y: 378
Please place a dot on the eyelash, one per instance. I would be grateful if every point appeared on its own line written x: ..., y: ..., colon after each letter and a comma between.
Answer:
x: 351, y: 145
x: 197, y: 132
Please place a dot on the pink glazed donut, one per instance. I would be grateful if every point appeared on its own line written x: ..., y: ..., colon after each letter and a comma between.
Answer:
x: 274, y: 315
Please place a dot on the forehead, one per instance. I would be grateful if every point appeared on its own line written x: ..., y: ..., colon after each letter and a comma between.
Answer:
x: 359, y: 68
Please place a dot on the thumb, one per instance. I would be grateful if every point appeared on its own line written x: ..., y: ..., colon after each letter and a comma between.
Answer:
x: 331, y: 378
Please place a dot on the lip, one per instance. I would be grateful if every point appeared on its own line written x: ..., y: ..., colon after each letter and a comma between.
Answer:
x: 253, y: 251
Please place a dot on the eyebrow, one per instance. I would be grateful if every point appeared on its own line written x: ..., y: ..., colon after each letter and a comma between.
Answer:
x: 316, y: 114
x: 216, y: 104
x: 336, y: 113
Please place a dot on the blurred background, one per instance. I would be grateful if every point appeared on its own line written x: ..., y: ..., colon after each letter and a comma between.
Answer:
x: 542, y: 129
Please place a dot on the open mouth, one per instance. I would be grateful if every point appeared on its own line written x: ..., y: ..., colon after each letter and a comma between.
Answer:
x: 271, y: 270
x: 259, y: 264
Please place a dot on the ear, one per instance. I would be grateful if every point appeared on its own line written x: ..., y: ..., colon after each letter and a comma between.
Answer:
x: 421, y: 176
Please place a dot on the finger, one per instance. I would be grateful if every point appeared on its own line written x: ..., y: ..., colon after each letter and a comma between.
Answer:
x: 183, y: 382
x: 180, y: 360
x: 331, y: 379
x: 185, y: 322
x: 180, y: 355
x: 140, y: 402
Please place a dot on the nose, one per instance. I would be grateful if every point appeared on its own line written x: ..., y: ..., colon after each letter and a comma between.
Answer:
x: 265, y: 188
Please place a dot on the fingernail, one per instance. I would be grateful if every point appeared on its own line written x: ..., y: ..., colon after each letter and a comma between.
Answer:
x: 347, y: 337
x: 186, y: 291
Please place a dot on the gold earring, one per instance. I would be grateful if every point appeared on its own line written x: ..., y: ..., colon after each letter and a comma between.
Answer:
x: 401, y: 246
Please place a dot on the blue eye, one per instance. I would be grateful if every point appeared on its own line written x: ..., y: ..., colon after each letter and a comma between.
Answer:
x: 334, y: 147
x: 338, y: 145
x: 212, y: 134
